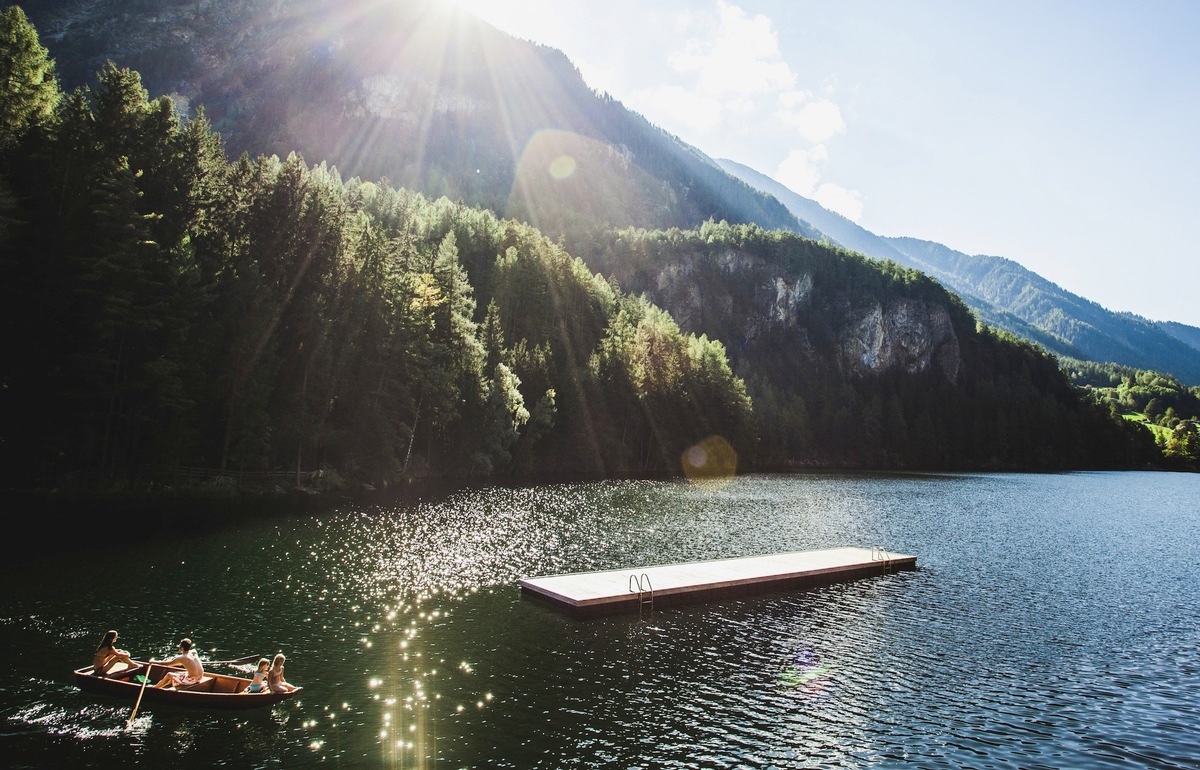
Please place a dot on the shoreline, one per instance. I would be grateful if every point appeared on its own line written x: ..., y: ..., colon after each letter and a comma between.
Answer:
x: 73, y: 515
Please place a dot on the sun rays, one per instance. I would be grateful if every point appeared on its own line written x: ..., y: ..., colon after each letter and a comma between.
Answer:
x: 430, y: 97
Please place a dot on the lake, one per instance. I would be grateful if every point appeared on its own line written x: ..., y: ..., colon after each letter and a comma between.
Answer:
x: 1053, y: 621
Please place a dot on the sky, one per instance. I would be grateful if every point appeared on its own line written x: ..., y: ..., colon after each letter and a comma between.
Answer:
x: 1062, y: 135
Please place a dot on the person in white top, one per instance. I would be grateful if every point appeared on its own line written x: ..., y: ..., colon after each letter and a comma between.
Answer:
x: 192, y: 672
x: 275, y: 678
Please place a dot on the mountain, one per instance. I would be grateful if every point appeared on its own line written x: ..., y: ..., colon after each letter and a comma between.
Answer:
x: 435, y: 100
x: 261, y: 315
x: 1007, y: 296
x: 415, y: 92
x: 831, y: 224
x: 1096, y: 333
x: 853, y: 362
x: 1189, y: 335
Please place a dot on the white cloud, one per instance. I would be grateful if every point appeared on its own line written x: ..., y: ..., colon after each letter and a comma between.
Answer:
x: 848, y: 203
x: 790, y: 100
x: 731, y: 84
x: 801, y: 170
x: 738, y: 57
x: 817, y: 121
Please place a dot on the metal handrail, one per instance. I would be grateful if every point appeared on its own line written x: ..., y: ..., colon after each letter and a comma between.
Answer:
x: 640, y: 584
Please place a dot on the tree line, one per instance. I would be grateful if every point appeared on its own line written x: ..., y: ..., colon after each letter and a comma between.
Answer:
x: 1170, y: 409
x: 180, y: 309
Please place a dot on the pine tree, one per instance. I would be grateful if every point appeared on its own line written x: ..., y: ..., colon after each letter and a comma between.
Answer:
x: 29, y: 89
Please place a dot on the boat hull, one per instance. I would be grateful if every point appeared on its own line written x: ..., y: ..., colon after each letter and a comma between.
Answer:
x: 216, y: 691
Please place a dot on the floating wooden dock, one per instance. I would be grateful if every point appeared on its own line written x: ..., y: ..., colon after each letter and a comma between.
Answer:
x: 624, y: 590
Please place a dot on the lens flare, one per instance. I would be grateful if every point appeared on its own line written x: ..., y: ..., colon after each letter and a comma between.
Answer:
x: 562, y: 167
x: 712, y: 461
x: 561, y: 174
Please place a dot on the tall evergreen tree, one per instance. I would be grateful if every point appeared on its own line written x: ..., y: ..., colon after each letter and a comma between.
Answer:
x: 29, y: 89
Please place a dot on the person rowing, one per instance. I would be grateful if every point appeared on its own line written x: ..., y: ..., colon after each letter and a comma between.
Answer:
x: 193, y: 670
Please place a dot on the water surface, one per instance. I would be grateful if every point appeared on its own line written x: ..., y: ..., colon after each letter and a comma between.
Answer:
x: 1052, y: 622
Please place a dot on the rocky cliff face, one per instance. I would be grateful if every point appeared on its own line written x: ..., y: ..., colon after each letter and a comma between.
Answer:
x: 903, y: 334
x: 743, y: 300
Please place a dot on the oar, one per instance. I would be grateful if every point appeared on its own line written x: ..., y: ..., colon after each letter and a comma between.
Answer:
x: 141, y: 692
x: 238, y: 662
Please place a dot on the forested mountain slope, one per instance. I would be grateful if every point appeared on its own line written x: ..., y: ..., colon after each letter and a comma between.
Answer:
x: 414, y: 92
x: 187, y: 311
x: 1189, y: 335
x: 436, y: 101
x: 1096, y: 333
x: 1005, y: 295
x: 265, y: 314
x: 853, y: 362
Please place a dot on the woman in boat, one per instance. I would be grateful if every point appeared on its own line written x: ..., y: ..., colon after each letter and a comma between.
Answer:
x: 259, y: 683
x: 275, y: 677
x: 107, y: 655
x: 192, y: 672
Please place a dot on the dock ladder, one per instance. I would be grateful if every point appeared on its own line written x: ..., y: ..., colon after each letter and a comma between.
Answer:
x: 640, y: 585
x: 878, y: 553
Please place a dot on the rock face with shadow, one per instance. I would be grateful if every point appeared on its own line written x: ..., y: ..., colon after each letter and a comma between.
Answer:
x: 748, y: 302
x: 905, y: 334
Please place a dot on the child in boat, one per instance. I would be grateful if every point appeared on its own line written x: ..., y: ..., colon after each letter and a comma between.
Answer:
x: 259, y: 683
x: 107, y: 655
x: 275, y: 676
x: 192, y: 672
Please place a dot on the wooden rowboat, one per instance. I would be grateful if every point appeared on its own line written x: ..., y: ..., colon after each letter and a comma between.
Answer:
x: 213, y: 691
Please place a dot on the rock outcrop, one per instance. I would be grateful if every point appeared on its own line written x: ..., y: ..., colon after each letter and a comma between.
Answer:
x: 742, y: 300
x: 905, y: 334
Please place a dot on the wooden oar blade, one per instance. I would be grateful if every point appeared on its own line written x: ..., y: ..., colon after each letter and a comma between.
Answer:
x: 141, y: 692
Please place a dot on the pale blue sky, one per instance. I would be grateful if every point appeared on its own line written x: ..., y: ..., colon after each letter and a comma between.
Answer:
x: 1062, y: 135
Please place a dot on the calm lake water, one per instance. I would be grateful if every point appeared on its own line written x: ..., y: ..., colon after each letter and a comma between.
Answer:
x: 1053, y: 622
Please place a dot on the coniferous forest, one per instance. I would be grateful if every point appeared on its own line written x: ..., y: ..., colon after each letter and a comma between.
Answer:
x: 170, y: 309
x: 180, y: 310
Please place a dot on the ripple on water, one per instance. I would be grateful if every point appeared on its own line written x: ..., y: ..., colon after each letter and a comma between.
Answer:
x: 1052, y: 623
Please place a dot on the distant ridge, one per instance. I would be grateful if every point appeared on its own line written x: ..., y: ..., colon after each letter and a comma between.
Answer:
x: 1008, y: 296
x: 415, y: 92
x: 1189, y: 335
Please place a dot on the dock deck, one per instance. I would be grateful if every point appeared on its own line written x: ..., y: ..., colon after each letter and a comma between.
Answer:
x: 623, y: 590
